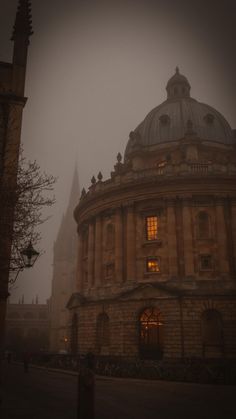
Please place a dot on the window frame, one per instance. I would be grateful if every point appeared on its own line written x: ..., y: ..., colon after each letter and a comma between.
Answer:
x: 147, y: 217
x: 201, y: 265
x: 153, y: 258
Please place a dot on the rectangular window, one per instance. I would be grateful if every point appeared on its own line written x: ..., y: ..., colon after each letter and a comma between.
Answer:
x: 206, y: 262
x: 153, y: 265
x: 152, y: 228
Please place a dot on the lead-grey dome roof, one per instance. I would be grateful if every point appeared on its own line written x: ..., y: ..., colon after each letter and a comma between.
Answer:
x: 178, y: 115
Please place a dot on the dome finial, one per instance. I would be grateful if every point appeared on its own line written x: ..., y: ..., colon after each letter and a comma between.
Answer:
x: 178, y: 85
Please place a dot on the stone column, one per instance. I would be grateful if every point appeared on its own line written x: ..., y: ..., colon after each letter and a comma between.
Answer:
x: 188, y: 240
x: 91, y: 255
x: 223, y: 262
x: 80, y: 263
x: 98, y: 251
x: 179, y: 237
x: 172, y: 240
x: 118, y: 246
x: 130, y: 245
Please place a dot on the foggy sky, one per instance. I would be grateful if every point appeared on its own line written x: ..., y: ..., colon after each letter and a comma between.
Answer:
x: 95, y: 69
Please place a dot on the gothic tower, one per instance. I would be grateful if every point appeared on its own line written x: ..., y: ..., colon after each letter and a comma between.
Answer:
x: 64, y: 271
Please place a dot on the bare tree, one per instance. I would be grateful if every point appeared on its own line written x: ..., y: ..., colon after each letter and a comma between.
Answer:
x: 33, y: 193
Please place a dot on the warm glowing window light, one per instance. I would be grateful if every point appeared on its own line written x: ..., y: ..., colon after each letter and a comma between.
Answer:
x: 153, y: 265
x: 152, y: 228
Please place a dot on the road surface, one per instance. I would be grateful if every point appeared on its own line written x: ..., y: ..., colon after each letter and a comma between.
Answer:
x: 43, y: 394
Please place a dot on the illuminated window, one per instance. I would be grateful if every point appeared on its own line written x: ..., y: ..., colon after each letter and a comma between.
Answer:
x: 153, y: 265
x: 152, y: 228
x: 205, y: 262
x: 151, y: 334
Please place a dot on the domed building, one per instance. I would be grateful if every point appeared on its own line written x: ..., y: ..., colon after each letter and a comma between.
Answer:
x: 157, y: 240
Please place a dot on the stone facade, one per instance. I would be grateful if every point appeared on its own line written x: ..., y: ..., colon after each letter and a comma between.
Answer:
x: 157, y: 241
x: 64, y: 274
x: 12, y: 102
x: 27, y: 327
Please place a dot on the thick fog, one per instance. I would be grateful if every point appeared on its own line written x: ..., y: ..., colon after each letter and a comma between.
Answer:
x: 95, y: 69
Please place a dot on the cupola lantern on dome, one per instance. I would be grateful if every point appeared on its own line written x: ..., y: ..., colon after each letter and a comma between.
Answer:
x: 169, y: 121
x: 178, y: 86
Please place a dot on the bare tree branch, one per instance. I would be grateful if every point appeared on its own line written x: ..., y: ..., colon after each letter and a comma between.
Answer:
x: 31, y: 195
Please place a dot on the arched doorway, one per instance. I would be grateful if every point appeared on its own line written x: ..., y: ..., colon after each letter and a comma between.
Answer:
x: 151, y: 334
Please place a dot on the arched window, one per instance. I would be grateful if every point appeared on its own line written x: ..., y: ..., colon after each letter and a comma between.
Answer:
x: 203, y: 225
x: 103, y: 332
x: 212, y: 333
x: 74, y: 335
x: 151, y: 334
x: 110, y: 236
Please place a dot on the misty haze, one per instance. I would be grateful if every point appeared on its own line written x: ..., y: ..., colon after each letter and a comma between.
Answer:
x: 95, y: 69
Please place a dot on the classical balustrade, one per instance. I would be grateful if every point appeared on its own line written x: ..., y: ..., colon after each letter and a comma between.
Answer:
x: 181, y: 169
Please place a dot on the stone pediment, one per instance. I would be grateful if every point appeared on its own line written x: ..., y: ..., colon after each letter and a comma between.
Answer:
x: 75, y: 300
x: 148, y: 291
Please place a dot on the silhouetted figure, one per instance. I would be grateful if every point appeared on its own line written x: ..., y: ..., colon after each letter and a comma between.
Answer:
x: 26, y: 359
x: 86, y: 383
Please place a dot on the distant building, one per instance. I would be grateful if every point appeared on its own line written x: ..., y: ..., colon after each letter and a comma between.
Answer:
x: 157, y: 240
x: 27, y: 327
x: 64, y: 274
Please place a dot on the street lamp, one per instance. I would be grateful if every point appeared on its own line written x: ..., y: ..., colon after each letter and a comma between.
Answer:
x: 29, y: 256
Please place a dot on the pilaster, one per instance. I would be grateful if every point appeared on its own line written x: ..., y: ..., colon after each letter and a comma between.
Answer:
x: 91, y: 254
x: 98, y: 251
x: 172, y: 240
x: 221, y: 238
x: 188, y: 239
x: 118, y: 245
x: 130, y: 244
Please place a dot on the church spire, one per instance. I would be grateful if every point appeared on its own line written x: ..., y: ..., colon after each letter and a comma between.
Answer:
x: 63, y: 246
x: 23, y: 21
x: 75, y: 192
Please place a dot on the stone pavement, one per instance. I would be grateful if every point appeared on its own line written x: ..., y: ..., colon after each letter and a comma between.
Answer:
x: 43, y: 394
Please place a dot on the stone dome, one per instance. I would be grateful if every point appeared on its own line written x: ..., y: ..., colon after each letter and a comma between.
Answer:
x: 179, y: 116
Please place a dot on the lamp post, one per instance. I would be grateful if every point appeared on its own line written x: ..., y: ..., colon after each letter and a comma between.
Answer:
x: 29, y: 256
